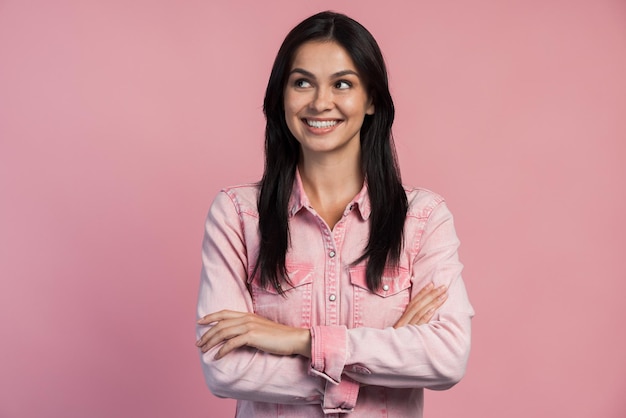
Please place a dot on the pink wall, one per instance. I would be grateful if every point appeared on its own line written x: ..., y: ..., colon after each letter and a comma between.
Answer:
x: 119, y: 121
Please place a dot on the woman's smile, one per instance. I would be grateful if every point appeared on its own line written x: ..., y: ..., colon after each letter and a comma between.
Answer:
x: 325, y: 100
x: 321, y: 126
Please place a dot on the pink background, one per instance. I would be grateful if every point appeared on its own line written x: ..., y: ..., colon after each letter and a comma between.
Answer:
x: 120, y: 120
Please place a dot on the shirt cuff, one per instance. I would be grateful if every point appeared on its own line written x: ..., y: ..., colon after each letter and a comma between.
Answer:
x: 340, y: 398
x: 329, y: 349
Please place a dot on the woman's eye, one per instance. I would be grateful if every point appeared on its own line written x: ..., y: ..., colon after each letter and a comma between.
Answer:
x: 301, y: 83
x: 342, y: 85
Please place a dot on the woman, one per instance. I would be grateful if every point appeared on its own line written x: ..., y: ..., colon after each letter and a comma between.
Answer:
x: 323, y: 286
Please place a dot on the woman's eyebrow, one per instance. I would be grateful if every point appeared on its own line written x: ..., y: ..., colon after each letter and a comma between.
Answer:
x: 335, y: 75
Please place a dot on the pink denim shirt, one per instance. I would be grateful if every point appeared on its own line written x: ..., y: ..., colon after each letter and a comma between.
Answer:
x: 360, y: 364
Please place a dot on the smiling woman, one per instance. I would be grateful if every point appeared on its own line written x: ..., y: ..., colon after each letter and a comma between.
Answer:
x: 329, y: 287
x: 325, y: 104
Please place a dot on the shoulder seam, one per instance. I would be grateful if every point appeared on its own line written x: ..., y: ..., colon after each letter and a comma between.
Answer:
x: 235, y: 202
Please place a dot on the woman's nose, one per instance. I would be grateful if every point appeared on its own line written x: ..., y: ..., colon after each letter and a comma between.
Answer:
x: 323, y: 100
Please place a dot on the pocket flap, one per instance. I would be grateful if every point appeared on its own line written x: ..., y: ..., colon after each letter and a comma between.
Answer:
x: 298, y: 275
x: 393, y: 281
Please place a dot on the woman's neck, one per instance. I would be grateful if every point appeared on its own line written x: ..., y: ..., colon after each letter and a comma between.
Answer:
x: 330, y: 185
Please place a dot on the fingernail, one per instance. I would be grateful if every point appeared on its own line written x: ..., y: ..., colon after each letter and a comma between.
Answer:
x: 430, y: 285
x: 442, y: 287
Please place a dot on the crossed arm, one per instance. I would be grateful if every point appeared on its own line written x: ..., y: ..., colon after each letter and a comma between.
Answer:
x: 246, y: 356
x: 236, y: 329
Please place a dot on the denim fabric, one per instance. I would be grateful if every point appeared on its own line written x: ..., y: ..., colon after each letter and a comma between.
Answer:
x: 360, y: 363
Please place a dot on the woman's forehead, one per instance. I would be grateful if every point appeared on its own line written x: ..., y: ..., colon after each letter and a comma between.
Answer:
x: 325, y: 57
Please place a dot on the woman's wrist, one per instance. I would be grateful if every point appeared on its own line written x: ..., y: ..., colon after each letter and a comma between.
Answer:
x: 303, y: 346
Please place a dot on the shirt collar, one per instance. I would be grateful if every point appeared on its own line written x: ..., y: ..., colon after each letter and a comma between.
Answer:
x: 299, y: 199
x: 362, y: 202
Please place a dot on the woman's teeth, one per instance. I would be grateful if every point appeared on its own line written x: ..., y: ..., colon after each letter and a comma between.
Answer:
x: 321, y: 123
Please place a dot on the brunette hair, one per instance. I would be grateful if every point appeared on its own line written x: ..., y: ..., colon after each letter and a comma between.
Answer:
x: 378, y: 157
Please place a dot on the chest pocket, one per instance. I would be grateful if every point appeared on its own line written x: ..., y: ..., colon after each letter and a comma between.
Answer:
x: 383, y: 307
x: 294, y: 307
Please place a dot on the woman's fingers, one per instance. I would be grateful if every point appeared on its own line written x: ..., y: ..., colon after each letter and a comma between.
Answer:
x: 424, y: 309
x: 220, y: 315
x: 425, y: 315
x: 230, y: 345
x: 226, y: 323
x: 424, y: 291
x: 422, y: 306
x: 230, y: 335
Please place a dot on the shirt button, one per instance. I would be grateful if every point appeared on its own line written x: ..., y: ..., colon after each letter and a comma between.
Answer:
x: 331, y: 254
x: 385, y: 287
x: 332, y: 298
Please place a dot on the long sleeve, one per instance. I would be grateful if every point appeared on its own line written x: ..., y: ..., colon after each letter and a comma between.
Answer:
x: 432, y: 355
x: 356, y: 354
x: 245, y: 373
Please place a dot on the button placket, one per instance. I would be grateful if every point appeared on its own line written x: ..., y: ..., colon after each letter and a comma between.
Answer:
x: 330, y: 282
x: 334, y: 263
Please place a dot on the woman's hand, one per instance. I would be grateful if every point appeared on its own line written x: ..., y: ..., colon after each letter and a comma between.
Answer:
x: 422, y: 307
x: 238, y: 329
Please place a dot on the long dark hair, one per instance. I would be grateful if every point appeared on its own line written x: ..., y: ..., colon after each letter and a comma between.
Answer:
x: 378, y: 157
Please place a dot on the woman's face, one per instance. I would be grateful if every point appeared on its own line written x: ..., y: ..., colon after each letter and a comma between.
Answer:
x: 325, y: 100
